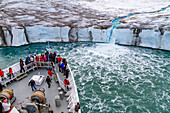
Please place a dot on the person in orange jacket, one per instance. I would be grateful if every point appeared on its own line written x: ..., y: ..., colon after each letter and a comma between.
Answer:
x: 50, y: 74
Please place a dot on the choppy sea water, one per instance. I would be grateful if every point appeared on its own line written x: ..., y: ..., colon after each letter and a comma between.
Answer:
x: 110, y: 78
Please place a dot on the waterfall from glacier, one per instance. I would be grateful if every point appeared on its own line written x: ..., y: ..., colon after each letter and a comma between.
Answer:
x: 116, y: 22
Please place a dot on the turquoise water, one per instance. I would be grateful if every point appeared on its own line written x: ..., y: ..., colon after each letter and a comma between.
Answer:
x: 110, y: 78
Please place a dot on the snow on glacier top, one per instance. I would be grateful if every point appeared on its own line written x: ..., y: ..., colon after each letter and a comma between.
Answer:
x: 84, y: 13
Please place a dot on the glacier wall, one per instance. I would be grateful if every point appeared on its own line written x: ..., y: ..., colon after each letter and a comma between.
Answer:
x: 26, y: 35
x: 16, y: 36
x: 158, y: 38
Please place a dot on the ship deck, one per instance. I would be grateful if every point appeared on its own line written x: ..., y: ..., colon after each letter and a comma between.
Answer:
x: 23, y: 92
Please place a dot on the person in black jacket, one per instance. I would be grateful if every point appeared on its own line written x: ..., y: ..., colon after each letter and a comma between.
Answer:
x: 21, y: 66
x: 32, y: 82
x: 1, y: 107
x: 1, y: 87
x: 77, y: 107
x: 48, y: 80
x: 66, y: 73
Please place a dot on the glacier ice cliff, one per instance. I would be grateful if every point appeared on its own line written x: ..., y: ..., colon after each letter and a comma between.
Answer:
x: 26, y: 35
x: 152, y: 38
x: 143, y: 38
x: 141, y: 23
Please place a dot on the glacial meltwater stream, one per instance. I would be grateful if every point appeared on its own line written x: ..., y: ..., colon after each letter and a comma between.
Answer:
x: 116, y: 22
x: 110, y: 78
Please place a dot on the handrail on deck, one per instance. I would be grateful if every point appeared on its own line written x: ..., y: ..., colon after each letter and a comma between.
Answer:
x: 16, y: 70
x: 31, y: 66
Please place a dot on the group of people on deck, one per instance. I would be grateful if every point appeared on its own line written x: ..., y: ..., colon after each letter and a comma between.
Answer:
x: 52, y: 57
x: 62, y: 64
x: 40, y: 57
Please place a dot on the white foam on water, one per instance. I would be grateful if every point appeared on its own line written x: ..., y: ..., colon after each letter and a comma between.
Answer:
x: 115, y: 78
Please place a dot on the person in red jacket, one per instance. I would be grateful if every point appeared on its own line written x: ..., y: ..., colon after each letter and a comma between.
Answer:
x: 37, y: 60
x: 2, y: 74
x: 50, y: 74
x: 42, y: 58
x: 59, y: 59
x: 66, y: 83
x: 11, y: 73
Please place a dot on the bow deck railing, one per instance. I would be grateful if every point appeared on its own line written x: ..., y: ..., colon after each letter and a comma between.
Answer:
x: 27, y: 68
x: 72, y: 93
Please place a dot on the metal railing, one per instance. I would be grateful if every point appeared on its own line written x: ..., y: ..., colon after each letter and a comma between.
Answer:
x: 73, y: 96
x: 27, y: 68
